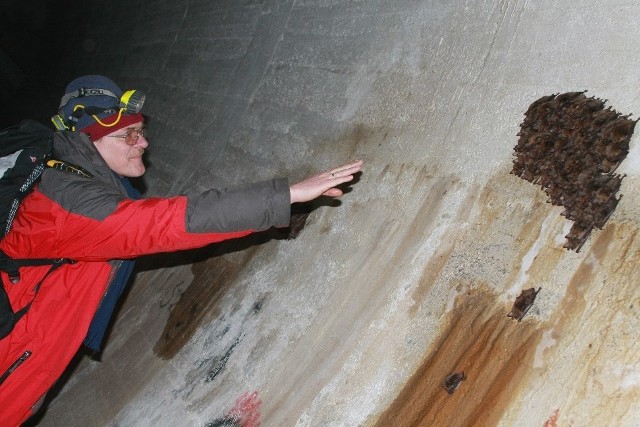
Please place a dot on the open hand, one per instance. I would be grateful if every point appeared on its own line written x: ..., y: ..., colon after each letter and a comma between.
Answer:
x: 324, y: 183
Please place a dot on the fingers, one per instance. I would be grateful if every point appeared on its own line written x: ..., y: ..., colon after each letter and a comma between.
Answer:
x: 345, y: 170
x: 324, y: 183
x: 340, y: 175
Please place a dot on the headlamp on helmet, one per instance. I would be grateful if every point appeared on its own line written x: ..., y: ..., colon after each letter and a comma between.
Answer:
x: 130, y: 102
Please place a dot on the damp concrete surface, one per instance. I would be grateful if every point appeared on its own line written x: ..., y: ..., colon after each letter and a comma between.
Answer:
x: 409, y: 277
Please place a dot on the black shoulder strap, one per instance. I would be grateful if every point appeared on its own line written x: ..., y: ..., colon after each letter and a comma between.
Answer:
x: 12, y: 266
x: 24, y: 309
x: 8, y: 317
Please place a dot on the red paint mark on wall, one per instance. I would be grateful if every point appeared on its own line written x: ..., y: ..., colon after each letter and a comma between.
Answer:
x: 246, y: 410
x: 553, y: 419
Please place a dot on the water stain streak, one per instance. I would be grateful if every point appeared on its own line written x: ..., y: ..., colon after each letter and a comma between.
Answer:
x: 493, y: 352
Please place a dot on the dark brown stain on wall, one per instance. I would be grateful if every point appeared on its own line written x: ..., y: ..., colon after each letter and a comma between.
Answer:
x: 496, y: 354
x: 212, y: 278
x: 492, y: 351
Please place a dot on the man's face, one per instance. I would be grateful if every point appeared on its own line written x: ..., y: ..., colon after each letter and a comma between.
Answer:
x: 124, y: 155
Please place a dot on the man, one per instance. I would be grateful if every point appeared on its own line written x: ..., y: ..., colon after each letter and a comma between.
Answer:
x: 97, y: 219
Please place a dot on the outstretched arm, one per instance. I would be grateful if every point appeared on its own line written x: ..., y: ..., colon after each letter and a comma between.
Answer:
x: 324, y: 183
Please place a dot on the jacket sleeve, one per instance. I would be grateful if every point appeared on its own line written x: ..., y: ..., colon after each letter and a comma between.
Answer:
x: 259, y: 206
x: 100, y: 224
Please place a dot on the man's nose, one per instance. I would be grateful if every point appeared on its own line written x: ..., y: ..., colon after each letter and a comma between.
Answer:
x: 142, y: 142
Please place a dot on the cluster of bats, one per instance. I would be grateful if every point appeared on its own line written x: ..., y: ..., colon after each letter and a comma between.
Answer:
x: 571, y: 145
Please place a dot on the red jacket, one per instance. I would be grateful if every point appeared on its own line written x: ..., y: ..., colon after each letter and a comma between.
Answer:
x: 93, y: 222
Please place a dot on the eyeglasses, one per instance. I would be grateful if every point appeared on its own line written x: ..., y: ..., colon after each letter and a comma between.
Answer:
x: 132, y: 135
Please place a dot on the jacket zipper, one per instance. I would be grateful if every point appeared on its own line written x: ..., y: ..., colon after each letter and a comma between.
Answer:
x: 112, y: 276
x: 15, y: 365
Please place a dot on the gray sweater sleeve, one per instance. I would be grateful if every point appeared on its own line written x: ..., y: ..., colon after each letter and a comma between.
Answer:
x: 256, y: 207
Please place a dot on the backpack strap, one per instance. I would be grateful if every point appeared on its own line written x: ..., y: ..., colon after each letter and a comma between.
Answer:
x: 8, y: 317
x: 12, y: 266
x: 18, y: 314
